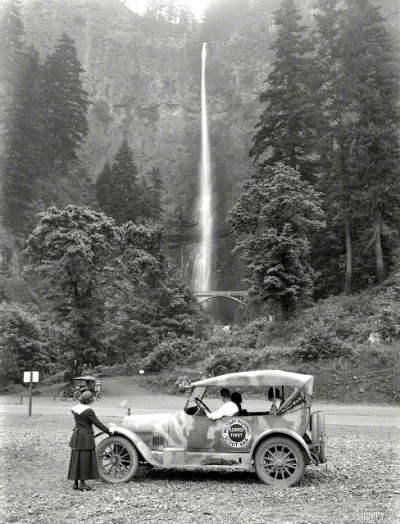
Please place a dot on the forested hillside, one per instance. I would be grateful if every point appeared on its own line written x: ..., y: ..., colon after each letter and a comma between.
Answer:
x: 99, y: 177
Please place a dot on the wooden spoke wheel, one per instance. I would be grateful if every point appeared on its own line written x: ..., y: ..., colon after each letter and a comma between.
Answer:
x: 279, y: 461
x: 118, y: 459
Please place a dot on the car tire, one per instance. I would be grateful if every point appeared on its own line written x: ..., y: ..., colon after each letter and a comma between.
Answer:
x: 63, y: 395
x: 76, y: 395
x: 118, y: 459
x: 318, y: 436
x: 279, y: 462
x: 98, y: 395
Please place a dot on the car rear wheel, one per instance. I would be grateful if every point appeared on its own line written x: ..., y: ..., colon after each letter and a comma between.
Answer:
x: 63, y: 395
x: 118, y: 459
x: 98, y: 395
x: 279, y: 462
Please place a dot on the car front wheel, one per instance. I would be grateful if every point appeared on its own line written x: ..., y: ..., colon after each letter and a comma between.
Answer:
x: 63, y: 395
x: 118, y: 459
x: 76, y: 395
x: 279, y: 462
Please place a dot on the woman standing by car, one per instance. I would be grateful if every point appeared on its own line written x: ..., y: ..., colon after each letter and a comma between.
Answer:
x: 83, y: 461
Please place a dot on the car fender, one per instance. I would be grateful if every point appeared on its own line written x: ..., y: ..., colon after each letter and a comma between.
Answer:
x: 282, y: 431
x: 137, y: 442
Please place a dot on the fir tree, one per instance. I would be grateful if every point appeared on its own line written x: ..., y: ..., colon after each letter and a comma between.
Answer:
x: 12, y: 43
x: 66, y: 105
x: 272, y: 221
x: 371, y: 77
x: 117, y: 188
x: 156, y: 191
x: 21, y: 69
x: 284, y: 130
x: 334, y: 129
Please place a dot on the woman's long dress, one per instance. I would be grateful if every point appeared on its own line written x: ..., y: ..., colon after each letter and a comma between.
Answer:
x: 83, y: 462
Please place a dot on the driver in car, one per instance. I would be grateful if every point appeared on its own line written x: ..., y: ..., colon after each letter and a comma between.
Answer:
x: 227, y: 409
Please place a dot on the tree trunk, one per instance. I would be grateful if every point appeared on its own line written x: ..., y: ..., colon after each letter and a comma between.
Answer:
x: 380, y: 265
x: 349, y: 258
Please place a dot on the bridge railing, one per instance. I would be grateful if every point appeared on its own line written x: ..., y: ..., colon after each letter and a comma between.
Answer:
x: 238, y: 296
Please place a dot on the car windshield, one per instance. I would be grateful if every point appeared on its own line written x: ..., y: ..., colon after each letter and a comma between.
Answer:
x: 80, y: 382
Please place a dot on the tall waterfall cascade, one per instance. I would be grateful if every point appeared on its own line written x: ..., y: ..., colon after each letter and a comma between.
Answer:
x: 204, y: 256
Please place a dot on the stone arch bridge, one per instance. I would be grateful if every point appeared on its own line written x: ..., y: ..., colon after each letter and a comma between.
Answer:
x: 203, y: 296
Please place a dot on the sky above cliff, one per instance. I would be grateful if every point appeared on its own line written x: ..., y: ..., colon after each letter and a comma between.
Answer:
x: 196, y: 6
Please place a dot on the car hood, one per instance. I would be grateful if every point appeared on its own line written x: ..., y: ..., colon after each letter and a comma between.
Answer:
x: 156, y: 422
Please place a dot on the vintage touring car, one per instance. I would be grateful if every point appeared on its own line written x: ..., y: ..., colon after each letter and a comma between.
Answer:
x: 79, y: 384
x: 279, y: 446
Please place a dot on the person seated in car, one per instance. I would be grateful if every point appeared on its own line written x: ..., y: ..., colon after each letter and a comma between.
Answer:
x: 274, y: 396
x: 236, y: 398
x: 227, y: 409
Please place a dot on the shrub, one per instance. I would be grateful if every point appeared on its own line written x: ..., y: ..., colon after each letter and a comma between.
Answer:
x: 22, y: 344
x: 227, y: 360
x: 388, y: 323
x: 321, y: 343
x: 171, y: 353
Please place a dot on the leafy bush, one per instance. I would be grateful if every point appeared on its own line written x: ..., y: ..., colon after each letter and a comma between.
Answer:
x: 171, y: 353
x: 22, y: 345
x: 321, y: 343
x: 388, y: 323
x: 227, y: 360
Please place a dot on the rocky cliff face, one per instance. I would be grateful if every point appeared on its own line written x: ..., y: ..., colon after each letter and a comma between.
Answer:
x: 143, y: 77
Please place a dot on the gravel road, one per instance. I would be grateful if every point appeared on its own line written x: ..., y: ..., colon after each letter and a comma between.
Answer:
x: 359, y: 484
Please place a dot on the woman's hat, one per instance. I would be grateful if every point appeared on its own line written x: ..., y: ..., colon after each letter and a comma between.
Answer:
x: 86, y: 397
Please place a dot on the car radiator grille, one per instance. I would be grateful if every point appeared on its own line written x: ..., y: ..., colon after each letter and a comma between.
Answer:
x: 158, y: 440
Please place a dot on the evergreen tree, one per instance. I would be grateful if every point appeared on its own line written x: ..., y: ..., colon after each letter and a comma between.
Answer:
x: 156, y: 191
x: 22, y: 159
x: 117, y: 188
x: 21, y: 71
x: 66, y: 106
x: 272, y: 221
x: 12, y: 43
x: 334, y: 130
x: 285, y: 127
x: 371, y: 77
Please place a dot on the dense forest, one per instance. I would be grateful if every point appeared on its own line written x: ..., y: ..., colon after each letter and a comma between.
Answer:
x: 315, y: 222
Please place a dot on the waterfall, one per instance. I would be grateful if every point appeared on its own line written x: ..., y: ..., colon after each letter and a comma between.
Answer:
x: 203, y: 262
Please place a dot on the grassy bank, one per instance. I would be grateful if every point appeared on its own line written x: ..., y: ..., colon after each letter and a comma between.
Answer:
x: 373, y: 377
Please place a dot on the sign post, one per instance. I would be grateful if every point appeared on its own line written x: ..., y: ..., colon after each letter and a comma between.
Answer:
x: 31, y: 377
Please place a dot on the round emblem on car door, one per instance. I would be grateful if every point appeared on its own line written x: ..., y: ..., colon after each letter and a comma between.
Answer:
x: 237, y: 433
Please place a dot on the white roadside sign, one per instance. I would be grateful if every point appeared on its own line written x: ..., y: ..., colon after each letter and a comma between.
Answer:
x: 35, y: 376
